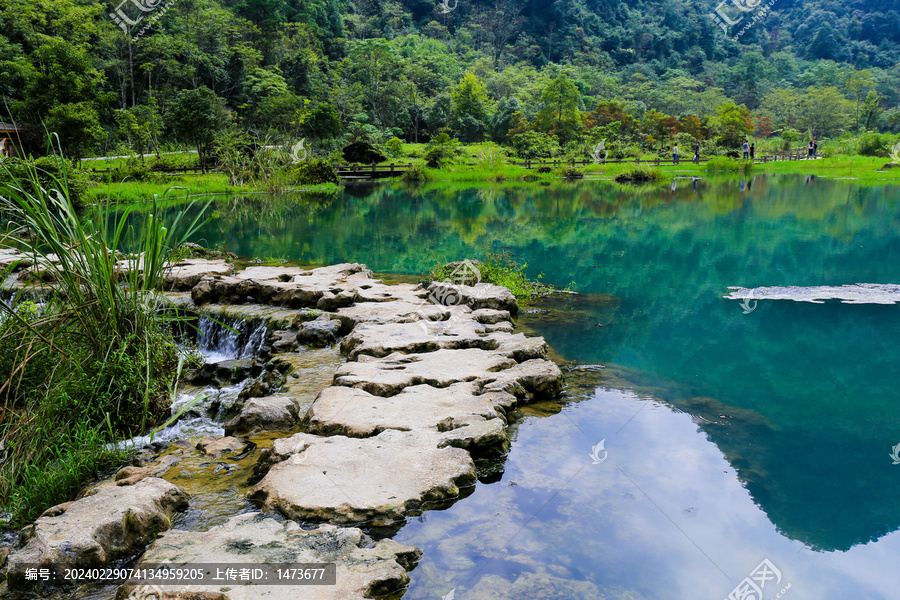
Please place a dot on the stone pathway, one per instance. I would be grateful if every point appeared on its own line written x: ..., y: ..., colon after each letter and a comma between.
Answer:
x: 426, y: 388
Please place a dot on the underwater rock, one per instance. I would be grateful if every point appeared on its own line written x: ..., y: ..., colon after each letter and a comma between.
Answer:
x: 217, y: 446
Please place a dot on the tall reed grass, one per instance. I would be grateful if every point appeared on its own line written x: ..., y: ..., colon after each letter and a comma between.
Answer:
x: 94, y: 363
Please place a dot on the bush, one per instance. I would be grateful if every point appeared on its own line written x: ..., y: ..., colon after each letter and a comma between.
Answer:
x: 49, y: 170
x: 441, y: 150
x: 416, y: 172
x: 572, y: 173
x: 394, y: 146
x: 313, y: 172
x: 532, y: 144
x: 874, y: 144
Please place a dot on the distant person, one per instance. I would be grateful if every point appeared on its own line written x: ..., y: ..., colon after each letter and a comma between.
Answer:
x: 752, y: 150
x: 810, y: 149
x: 746, y: 147
x: 697, y: 152
x: 815, y: 148
x: 675, y: 155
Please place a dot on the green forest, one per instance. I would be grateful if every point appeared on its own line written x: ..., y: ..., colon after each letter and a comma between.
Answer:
x: 544, y: 78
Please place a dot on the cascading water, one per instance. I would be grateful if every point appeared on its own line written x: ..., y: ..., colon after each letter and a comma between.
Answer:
x: 239, y: 339
x: 216, y: 340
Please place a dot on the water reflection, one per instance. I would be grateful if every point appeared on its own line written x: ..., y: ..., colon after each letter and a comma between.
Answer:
x: 665, y: 516
x: 789, y: 412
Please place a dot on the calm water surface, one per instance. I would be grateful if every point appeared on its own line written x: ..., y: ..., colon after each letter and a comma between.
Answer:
x: 729, y: 438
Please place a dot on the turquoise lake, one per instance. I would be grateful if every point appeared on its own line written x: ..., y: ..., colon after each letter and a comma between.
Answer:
x: 728, y: 438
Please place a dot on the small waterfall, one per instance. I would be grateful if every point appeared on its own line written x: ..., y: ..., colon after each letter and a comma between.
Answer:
x: 240, y: 339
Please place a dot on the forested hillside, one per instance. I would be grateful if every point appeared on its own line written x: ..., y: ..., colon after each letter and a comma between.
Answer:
x: 543, y: 76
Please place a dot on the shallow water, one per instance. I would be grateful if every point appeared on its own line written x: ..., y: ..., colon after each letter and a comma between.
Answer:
x: 733, y: 435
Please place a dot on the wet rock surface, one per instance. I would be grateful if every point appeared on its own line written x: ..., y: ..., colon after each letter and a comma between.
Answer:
x: 217, y: 446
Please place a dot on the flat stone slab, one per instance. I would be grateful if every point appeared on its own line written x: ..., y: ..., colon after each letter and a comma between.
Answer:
x: 350, y: 480
x: 421, y: 336
x: 536, y: 378
x: 480, y: 295
x: 326, y: 288
x: 356, y: 413
x: 187, y: 273
x: 393, y: 311
x: 113, y: 522
x: 375, y: 290
x: 365, y: 569
x: 389, y: 375
x: 859, y: 293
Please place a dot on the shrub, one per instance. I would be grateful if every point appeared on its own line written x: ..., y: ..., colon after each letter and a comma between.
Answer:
x: 394, y: 146
x: 416, y: 172
x: 874, y: 144
x: 441, y: 150
x: 532, y: 144
x: 571, y: 173
x: 313, y: 172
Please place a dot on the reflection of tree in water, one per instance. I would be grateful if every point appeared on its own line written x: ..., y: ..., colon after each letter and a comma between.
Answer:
x: 267, y: 208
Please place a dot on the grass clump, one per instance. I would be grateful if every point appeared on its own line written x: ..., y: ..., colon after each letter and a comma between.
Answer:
x: 93, y: 363
x: 499, y: 269
x: 724, y: 163
x: 639, y: 173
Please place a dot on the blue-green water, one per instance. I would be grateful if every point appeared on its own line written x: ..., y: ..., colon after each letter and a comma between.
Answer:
x: 731, y: 437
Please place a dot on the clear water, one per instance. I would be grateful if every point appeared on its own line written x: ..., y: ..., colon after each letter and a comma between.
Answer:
x: 730, y: 437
